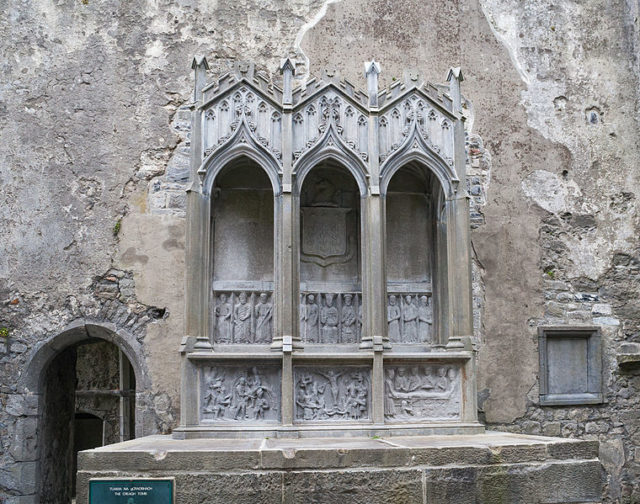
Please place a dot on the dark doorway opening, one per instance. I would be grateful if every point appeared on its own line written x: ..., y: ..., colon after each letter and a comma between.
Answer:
x: 88, y: 401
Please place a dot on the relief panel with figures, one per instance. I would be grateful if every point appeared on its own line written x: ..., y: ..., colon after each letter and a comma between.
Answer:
x: 231, y: 393
x: 419, y: 392
x: 243, y: 318
x: 332, y: 393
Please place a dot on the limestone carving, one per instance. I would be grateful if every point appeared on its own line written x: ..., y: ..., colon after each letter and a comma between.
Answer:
x: 425, y: 320
x: 264, y: 315
x: 421, y: 392
x: 410, y: 321
x: 410, y: 318
x: 243, y: 318
x: 348, y: 320
x: 223, y: 320
x: 235, y: 394
x: 393, y: 320
x: 396, y: 126
x: 309, y: 128
x: 326, y: 393
x: 262, y: 119
x: 310, y: 317
x: 330, y: 318
x: 329, y: 321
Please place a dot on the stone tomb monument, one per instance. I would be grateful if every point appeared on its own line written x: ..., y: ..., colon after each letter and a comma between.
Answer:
x: 328, y: 308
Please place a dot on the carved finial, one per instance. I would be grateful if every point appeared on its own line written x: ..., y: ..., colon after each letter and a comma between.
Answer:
x: 288, y: 70
x: 371, y: 72
x: 454, y: 78
x: 199, y: 66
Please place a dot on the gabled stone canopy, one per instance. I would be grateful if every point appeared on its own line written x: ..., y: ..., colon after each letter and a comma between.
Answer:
x: 243, y: 110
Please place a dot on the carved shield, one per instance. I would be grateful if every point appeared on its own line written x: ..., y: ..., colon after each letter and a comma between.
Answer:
x: 325, y: 237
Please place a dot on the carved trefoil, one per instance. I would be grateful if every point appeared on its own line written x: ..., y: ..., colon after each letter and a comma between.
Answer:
x: 422, y: 392
x: 332, y: 393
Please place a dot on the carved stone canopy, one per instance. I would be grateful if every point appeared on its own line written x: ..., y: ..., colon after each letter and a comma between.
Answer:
x: 370, y: 132
x: 343, y: 299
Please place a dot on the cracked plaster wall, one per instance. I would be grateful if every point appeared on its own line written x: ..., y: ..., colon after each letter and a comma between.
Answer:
x: 94, y: 131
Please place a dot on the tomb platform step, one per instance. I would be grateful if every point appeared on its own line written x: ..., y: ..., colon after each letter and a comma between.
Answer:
x: 489, y: 468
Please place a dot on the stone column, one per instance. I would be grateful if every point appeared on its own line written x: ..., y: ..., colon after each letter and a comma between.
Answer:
x: 287, y: 334
x: 459, y: 270
x: 197, y: 275
x: 374, y: 282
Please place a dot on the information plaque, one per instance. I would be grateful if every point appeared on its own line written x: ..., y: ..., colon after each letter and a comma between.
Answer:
x: 131, y: 491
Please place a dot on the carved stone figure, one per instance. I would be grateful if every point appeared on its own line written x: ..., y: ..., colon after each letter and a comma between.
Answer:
x: 329, y: 321
x: 348, y: 320
x: 389, y: 393
x: 240, y: 399
x: 261, y: 404
x: 356, y: 400
x: 223, y: 320
x: 242, y: 320
x: 332, y: 377
x: 216, y: 400
x: 393, y: 319
x: 311, y: 319
x: 264, y: 315
x: 410, y: 321
x: 425, y: 320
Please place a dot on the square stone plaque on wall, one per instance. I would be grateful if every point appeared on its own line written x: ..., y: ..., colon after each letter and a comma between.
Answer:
x: 570, y: 365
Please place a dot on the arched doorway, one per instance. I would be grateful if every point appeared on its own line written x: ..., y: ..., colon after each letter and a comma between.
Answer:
x: 85, y: 382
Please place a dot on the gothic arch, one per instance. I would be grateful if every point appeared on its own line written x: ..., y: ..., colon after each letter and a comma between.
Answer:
x: 241, y: 144
x: 331, y: 147
x: 415, y: 148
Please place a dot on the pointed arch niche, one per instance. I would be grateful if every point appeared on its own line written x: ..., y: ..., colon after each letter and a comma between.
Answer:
x: 414, y: 240
x: 330, y: 256
x: 242, y: 254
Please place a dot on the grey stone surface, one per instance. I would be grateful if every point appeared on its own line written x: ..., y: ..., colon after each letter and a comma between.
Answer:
x: 332, y: 393
x: 415, y: 393
x: 93, y: 109
x: 240, y: 393
x: 492, y: 468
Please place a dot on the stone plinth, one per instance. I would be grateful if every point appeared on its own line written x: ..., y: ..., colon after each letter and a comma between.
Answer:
x: 477, y: 469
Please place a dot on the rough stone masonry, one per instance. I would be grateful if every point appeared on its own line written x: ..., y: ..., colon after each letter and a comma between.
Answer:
x: 94, y: 163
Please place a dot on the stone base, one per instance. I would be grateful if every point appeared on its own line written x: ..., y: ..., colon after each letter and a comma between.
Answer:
x: 488, y: 468
x: 329, y: 431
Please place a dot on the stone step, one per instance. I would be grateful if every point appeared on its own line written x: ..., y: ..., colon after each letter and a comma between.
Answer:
x: 476, y: 469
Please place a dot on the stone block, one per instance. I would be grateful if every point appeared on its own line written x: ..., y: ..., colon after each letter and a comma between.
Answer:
x: 354, y: 486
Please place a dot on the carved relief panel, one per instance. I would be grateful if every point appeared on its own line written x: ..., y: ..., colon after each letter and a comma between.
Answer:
x: 410, y: 318
x: 243, y: 317
x: 248, y: 393
x: 419, y: 392
x: 332, y: 393
x: 330, y: 318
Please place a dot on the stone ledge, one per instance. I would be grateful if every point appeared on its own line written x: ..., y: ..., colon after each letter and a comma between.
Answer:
x: 486, y: 468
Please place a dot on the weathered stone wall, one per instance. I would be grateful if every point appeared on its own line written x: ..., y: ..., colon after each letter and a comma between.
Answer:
x: 94, y: 162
